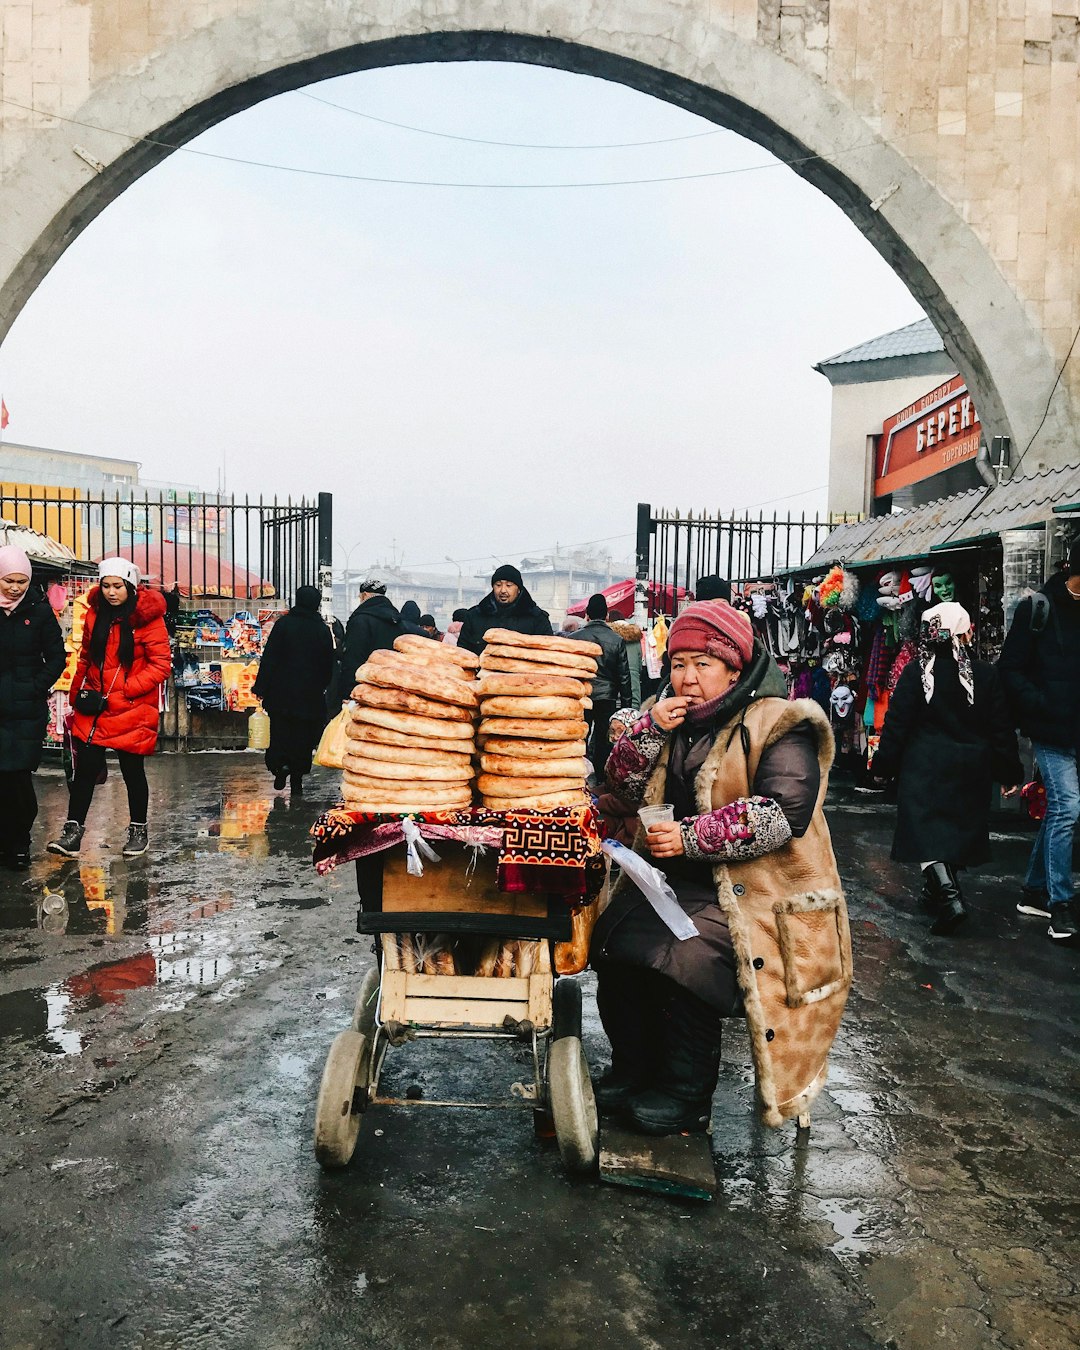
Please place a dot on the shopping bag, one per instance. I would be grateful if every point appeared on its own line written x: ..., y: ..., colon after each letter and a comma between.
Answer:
x: 332, y: 743
x: 69, y: 752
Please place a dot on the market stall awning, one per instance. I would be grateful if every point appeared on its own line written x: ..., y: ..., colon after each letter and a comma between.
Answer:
x: 41, y: 550
x: 620, y: 595
x: 197, y: 573
x: 965, y: 520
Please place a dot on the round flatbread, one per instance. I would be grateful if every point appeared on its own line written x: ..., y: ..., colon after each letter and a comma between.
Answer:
x: 459, y: 770
x: 399, y: 700
x: 540, y: 686
x: 546, y: 801
x: 421, y: 794
x: 356, y: 799
x: 495, y: 785
x: 410, y: 643
x: 511, y: 705
x: 535, y: 728
x: 392, y: 671
x: 395, y: 740
x: 564, y: 660
x: 511, y: 665
x: 506, y: 637
x: 416, y: 756
x: 514, y: 766
x: 411, y: 724
x: 521, y: 748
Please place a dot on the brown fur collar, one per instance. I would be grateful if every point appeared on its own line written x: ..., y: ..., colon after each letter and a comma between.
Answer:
x: 628, y: 631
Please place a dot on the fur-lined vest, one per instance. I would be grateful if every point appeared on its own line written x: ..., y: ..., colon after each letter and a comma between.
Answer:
x: 785, y: 911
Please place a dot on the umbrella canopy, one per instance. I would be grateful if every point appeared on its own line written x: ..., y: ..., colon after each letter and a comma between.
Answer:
x: 620, y: 595
x: 196, y: 573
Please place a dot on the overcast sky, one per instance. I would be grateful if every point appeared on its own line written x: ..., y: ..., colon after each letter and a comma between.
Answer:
x: 472, y: 372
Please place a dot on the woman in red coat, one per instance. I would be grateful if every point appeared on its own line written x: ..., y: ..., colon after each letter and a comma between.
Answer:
x: 125, y: 655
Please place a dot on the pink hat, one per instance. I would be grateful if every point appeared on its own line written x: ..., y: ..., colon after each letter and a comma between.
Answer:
x: 14, y: 560
x: 713, y: 626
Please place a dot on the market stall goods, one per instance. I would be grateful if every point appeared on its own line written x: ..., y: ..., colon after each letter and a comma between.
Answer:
x: 520, y: 766
x: 531, y: 708
x: 514, y: 665
x: 391, y: 670
x: 520, y: 747
x: 450, y: 769
x: 506, y: 637
x: 572, y: 661
x: 542, y: 729
x: 513, y: 785
x: 544, y: 801
x: 379, y: 735
x: 536, y: 686
x: 412, y: 644
x: 410, y: 724
x: 399, y: 700
x: 430, y: 753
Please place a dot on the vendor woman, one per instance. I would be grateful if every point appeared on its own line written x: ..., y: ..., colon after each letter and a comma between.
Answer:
x: 751, y: 862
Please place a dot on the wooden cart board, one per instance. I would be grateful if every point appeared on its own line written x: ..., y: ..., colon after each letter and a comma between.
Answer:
x: 675, y: 1164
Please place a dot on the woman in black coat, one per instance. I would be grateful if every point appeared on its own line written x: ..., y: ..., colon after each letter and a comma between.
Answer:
x: 948, y: 737
x: 296, y: 667
x: 31, y: 660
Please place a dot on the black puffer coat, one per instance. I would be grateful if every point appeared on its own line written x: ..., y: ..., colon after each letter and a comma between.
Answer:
x: 946, y: 754
x: 1041, y: 671
x: 372, y: 627
x: 31, y: 661
x: 296, y: 667
x: 612, y: 678
x: 522, y: 615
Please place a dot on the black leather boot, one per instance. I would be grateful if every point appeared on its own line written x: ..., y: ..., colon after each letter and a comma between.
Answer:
x: 681, y: 1097
x: 950, y: 911
x: 631, y: 1017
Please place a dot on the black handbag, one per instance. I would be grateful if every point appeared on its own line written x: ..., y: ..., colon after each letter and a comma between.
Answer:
x: 92, y: 702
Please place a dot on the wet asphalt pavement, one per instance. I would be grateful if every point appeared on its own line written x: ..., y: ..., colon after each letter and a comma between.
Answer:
x: 163, y: 1025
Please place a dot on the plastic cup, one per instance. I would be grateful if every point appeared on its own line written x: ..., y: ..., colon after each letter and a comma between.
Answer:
x: 656, y: 815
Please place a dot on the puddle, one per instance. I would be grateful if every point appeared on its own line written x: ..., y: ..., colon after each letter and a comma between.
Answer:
x: 860, y: 1230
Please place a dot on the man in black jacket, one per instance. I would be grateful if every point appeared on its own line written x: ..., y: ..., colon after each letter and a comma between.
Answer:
x: 1040, y: 668
x: 507, y: 605
x: 373, y: 625
x: 611, y: 684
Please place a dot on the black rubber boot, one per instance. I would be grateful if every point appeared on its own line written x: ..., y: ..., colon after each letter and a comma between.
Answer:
x: 70, y: 841
x: 950, y: 911
x: 681, y: 1098
x: 631, y: 1017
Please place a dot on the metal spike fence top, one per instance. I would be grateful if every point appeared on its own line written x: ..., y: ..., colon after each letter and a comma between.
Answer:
x: 219, y: 548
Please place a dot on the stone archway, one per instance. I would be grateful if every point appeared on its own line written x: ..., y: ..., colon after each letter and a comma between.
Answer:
x: 778, y: 82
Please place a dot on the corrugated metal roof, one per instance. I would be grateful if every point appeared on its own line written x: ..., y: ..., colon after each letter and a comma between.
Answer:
x: 951, y: 521
x: 37, y: 547
x: 915, y: 339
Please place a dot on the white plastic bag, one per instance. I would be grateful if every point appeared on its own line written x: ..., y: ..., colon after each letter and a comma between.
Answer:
x: 653, y: 885
x: 415, y: 848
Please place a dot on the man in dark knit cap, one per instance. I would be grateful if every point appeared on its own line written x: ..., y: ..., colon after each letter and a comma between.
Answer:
x: 712, y: 587
x: 373, y: 625
x: 507, y: 605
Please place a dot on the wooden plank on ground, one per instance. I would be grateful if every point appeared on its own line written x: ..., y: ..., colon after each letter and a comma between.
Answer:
x: 675, y: 1164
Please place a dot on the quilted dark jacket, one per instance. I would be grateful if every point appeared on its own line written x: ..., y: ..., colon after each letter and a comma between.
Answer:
x: 31, y: 661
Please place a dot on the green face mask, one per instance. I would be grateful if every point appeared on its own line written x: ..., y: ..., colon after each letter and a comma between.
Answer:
x: 944, y: 586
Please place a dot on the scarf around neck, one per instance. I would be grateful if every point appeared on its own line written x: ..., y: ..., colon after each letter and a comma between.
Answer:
x: 945, y: 625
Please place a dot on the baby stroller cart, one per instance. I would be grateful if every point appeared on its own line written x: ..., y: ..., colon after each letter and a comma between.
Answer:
x: 471, y: 949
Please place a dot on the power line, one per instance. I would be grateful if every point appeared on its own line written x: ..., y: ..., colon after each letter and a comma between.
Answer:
x: 509, y: 145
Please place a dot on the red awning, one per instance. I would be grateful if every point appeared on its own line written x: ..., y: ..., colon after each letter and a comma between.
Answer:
x: 620, y: 595
x: 198, y: 573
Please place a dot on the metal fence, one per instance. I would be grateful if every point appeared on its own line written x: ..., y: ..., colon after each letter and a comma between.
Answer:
x: 214, y: 547
x: 674, y: 549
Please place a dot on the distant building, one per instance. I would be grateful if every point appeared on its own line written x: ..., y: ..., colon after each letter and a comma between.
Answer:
x: 436, y: 593
x: 35, y: 464
x: 556, y: 580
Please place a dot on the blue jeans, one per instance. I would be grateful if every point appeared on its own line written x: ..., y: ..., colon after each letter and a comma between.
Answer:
x: 1050, y: 868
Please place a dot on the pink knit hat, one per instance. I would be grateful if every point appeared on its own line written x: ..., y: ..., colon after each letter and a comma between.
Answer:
x: 713, y: 626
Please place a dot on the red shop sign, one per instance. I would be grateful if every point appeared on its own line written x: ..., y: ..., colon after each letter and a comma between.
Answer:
x: 934, y: 433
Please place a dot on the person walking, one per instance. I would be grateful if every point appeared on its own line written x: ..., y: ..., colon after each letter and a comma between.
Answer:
x: 507, y: 605
x: 611, y: 683
x: 123, y: 661
x: 373, y: 625
x: 31, y: 661
x: 748, y: 855
x: 630, y: 633
x: 297, y: 666
x: 1040, y: 668
x: 948, y: 737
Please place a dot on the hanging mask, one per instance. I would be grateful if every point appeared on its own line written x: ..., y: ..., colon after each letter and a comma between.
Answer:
x: 944, y: 586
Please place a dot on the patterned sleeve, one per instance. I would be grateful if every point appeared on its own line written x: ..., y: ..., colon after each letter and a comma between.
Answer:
x: 746, y: 828
x: 633, y: 758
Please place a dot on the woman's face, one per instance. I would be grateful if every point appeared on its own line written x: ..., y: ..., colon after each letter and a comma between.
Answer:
x: 114, y: 589
x: 699, y: 677
x: 13, y: 585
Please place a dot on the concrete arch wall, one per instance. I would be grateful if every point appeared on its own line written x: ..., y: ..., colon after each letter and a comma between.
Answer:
x: 934, y: 141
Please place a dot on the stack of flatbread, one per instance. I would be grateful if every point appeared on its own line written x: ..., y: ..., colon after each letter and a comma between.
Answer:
x: 411, y: 729
x: 533, y: 696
